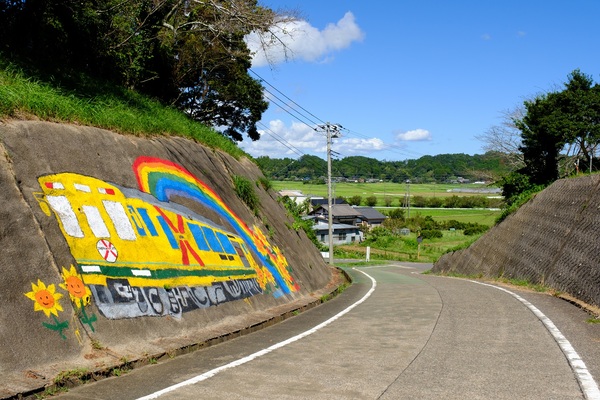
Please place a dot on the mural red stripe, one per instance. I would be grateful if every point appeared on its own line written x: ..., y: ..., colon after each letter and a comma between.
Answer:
x: 167, y: 220
x: 193, y: 252
x: 185, y: 260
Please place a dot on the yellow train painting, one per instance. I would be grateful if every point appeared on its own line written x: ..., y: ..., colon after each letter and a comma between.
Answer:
x: 141, y: 256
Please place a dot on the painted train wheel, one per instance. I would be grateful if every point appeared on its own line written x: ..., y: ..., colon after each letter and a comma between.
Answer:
x: 107, y: 250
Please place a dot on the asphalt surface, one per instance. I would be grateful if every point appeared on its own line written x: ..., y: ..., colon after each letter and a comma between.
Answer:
x: 400, y: 335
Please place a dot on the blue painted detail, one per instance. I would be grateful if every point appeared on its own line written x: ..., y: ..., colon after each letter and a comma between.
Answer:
x: 147, y: 221
x: 198, y: 237
x: 167, y: 230
x: 213, y: 242
x: 227, y: 246
x: 134, y: 217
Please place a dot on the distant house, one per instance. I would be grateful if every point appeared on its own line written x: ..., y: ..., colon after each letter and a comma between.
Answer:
x: 341, y: 214
x: 316, y: 202
x: 342, y: 233
x: 295, y: 195
x: 370, y: 217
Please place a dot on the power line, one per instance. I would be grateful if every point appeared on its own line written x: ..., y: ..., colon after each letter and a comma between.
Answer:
x: 278, y: 91
x: 281, y: 140
x: 301, y: 114
x: 289, y: 110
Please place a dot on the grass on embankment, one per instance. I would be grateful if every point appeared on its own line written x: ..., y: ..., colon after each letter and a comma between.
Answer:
x: 90, y: 103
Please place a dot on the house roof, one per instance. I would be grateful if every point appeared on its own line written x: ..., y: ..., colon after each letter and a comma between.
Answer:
x: 335, y: 227
x: 341, y: 210
x: 323, y: 201
x: 291, y: 193
x: 370, y: 213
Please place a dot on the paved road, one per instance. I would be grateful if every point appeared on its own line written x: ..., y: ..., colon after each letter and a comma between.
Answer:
x: 401, y: 335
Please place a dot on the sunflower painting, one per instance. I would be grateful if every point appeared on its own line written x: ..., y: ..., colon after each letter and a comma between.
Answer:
x: 80, y: 294
x: 46, y: 299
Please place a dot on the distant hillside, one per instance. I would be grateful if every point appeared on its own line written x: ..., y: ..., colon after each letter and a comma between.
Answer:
x: 439, y: 168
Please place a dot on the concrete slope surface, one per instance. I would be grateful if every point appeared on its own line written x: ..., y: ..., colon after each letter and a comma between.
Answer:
x: 119, y: 248
x: 551, y: 240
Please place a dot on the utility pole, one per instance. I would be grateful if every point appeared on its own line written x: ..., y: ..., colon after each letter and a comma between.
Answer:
x: 407, y: 203
x: 332, y: 131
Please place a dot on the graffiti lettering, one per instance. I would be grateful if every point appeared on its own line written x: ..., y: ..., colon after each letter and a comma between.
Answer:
x: 154, y: 300
x: 118, y: 299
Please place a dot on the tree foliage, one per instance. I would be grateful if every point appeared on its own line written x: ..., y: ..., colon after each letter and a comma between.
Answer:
x: 189, y: 54
x: 554, y: 124
x: 439, y: 168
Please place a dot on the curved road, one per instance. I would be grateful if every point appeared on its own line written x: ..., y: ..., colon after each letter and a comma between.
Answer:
x: 393, y: 334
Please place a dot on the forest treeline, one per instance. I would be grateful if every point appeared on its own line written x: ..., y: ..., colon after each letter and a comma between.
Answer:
x: 440, y: 168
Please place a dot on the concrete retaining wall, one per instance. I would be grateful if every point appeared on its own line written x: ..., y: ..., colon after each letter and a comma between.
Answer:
x: 77, y: 289
x: 552, y: 240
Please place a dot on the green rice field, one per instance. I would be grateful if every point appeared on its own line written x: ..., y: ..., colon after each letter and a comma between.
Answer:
x: 381, y: 189
x: 397, y: 192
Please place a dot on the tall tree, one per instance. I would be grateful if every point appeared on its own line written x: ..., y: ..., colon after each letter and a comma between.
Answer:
x: 580, y: 105
x: 556, y: 120
x: 541, y: 142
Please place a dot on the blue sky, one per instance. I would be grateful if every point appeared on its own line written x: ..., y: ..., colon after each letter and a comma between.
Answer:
x: 412, y: 78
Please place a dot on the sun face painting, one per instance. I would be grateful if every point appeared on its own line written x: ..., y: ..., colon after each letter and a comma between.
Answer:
x: 45, y: 298
x: 141, y: 254
x: 79, y: 293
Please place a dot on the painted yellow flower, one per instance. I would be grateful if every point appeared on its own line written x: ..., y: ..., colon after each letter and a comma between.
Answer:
x: 75, y: 286
x: 45, y: 298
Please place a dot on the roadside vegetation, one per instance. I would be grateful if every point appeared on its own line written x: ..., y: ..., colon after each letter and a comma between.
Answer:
x: 419, y: 239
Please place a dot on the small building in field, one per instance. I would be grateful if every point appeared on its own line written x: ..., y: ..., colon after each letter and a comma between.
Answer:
x: 342, y: 233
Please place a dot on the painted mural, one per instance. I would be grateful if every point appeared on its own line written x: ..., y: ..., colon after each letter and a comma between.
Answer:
x: 138, y: 253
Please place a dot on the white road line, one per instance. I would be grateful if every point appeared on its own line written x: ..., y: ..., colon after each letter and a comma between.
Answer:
x: 260, y: 353
x: 585, y: 379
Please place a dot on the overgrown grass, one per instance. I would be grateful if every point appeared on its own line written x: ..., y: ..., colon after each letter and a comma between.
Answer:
x: 23, y: 95
x: 538, y: 287
x: 245, y: 191
x: 406, y: 248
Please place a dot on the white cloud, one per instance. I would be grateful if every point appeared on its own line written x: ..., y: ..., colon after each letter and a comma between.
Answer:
x: 416, y: 135
x: 280, y: 141
x: 299, y: 40
x: 486, y: 36
x: 353, y: 146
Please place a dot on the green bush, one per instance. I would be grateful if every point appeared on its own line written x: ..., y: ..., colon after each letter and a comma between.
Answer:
x: 371, y: 201
x: 475, y: 230
x: 432, y: 234
x: 265, y: 183
x: 245, y: 191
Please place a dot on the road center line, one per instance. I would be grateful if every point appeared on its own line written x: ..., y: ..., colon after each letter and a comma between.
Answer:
x: 269, y: 349
x: 585, y: 379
